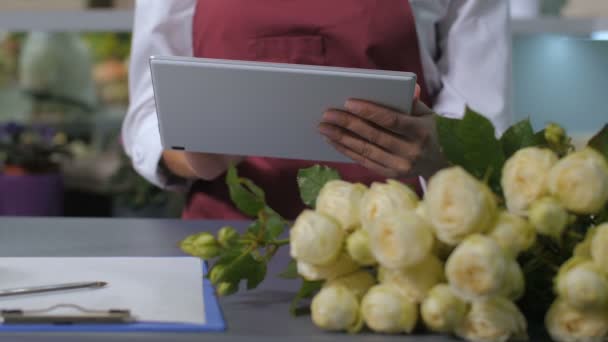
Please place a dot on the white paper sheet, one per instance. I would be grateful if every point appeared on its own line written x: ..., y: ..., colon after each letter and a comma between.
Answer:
x: 154, y: 289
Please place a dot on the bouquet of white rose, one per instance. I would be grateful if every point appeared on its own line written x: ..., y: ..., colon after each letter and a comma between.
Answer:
x: 514, y: 231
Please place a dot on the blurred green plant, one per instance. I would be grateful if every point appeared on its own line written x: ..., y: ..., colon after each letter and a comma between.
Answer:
x: 31, y: 149
x: 134, y: 192
x: 106, y: 46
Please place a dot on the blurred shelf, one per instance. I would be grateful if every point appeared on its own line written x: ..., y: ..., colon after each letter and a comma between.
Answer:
x: 559, y: 25
x: 77, y: 20
x: 122, y: 20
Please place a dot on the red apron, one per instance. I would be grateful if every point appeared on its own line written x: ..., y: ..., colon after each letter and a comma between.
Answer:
x: 369, y: 34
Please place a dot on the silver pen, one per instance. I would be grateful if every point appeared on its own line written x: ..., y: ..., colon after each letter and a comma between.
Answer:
x: 52, y: 288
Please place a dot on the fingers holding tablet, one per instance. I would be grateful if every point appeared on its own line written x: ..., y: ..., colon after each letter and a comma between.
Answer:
x: 379, y: 138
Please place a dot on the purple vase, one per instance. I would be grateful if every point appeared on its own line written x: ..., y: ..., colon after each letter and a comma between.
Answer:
x: 31, y: 195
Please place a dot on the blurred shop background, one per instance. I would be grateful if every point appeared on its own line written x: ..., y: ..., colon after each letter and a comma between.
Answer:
x: 63, y: 94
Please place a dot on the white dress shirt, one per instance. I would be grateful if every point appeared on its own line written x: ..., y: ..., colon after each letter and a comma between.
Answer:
x: 465, y: 49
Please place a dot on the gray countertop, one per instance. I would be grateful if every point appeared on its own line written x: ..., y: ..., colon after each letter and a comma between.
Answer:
x: 258, y: 315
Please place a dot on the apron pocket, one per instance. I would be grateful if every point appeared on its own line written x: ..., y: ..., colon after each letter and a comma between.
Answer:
x: 308, y: 49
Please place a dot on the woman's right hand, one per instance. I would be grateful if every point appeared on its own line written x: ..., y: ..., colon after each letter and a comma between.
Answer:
x: 194, y: 165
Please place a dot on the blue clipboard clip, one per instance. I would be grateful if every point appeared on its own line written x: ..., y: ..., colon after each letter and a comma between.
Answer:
x: 80, y: 316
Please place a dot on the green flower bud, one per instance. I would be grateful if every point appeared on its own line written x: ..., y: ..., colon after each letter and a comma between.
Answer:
x: 226, y: 288
x: 555, y: 134
x: 442, y: 311
x: 202, y: 245
x: 548, y: 217
x: 217, y: 273
x: 357, y: 245
x: 227, y: 236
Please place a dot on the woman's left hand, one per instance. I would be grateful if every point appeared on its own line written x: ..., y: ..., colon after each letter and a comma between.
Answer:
x: 386, y: 141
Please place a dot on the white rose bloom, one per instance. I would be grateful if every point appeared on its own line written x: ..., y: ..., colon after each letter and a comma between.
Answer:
x: 458, y: 205
x: 315, y: 238
x: 341, y: 200
x: 341, y: 266
x: 583, y: 285
x: 401, y: 239
x: 358, y: 246
x: 524, y: 177
x: 580, y: 181
x: 383, y: 199
x: 513, y: 233
x: 548, y: 217
x: 336, y: 308
x: 414, y: 282
x: 421, y: 211
x: 493, y: 320
x: 583, y: 248
x: 567, y: 324
x: 385, y: 310
x: 358, y: 282
x: 599, y: 246
x: 477, y: 268
x: 514, y: 286
x: 442, y: 311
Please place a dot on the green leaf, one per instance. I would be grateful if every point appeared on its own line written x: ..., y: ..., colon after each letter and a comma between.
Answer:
x: 518, y: 136
x: 254, y: 228
x: 539, y: 138
x: 312, y: 179
x: 291, y: 272
x: 256, y: 274
x: 275, y: 224
x: 242, y: 267
x: 230, y: 254
x: 600, y: 141
x: 307, y: 290
x: 471, y: 143
x: 247, y: 197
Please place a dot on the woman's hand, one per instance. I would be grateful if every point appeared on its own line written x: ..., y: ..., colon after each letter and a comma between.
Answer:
x: 386, y: 141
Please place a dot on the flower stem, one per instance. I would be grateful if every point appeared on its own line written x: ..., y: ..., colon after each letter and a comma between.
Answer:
x: 279, y: 243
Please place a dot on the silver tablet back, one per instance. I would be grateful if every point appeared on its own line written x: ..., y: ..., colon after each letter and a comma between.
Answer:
x: 262, y: 109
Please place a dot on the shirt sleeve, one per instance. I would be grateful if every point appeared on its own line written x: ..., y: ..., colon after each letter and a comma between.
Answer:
x: 160, y: 28
x: 474, y: 41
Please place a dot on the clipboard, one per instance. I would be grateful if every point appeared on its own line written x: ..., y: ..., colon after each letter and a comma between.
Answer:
x: 114, y: 321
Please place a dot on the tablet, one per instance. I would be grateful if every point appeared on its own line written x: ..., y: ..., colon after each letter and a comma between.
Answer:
x: 262, y: 109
